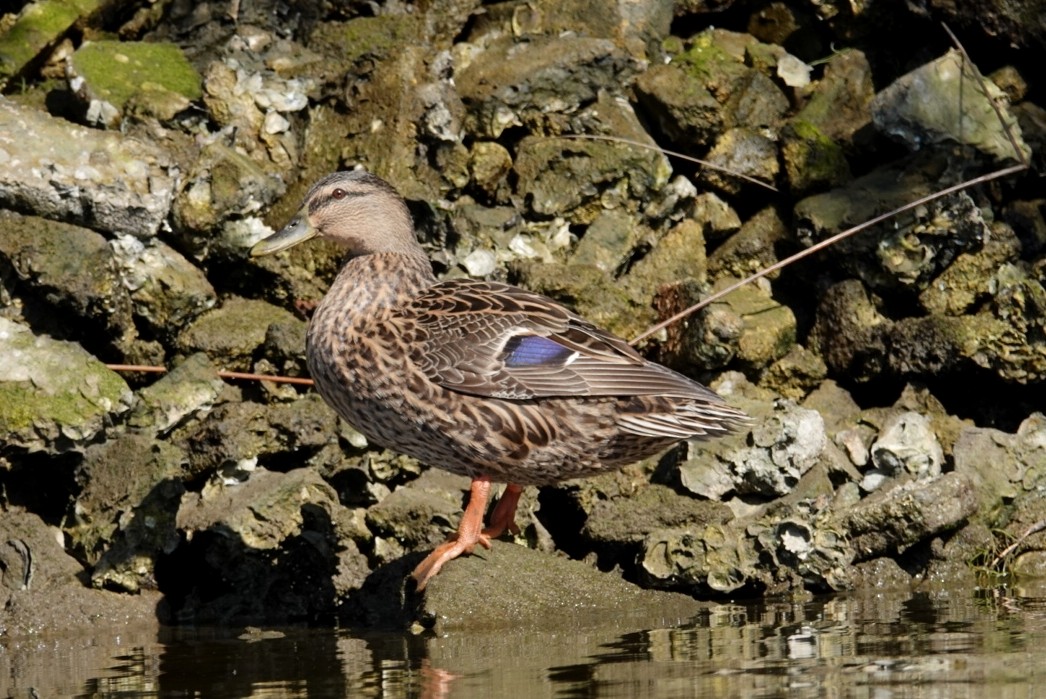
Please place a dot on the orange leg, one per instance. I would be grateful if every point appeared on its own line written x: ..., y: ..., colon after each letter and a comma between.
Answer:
x: 503, y: 518
x: 470, y: 530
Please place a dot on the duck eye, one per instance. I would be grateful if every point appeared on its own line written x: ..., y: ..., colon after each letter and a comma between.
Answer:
x: 339, y: 193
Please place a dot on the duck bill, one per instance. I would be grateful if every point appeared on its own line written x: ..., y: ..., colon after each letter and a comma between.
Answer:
x: 298, y: 230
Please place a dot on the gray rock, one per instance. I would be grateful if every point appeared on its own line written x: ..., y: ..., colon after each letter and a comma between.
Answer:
x: 54, y: 396
x: 893, y: 519
x: 849, y: 332
x: 489, y: 163
x: 1003, y: 337
x: 229, y: 440
x: 418, y: 515
x: 102, y: 180
x: 839, y: 104
x: 923, y: 107
x: 380, y: 128
x: 720, y: 62
x: 715, y: 557
x: 836, y: 406
x: 916, y: 247
x: 795, y: 374
x: 750, y: 249
x: 488, y: 228
x: 509, y: 83
x: 786, y: 544
x: 609, y: 241
x: 783, y: 446
x: 853, y: 443
x: 805, y: 543
x: 233, y: 332
x: 855, y: 339
x: 1010, y: 336
x: 749, y: 326
x: 189, y: 390
x: 513, y: 587
x: 262, y: 511
x: 720, y: 219
x: 678, y: 102
x: 679, y: 255
x: 620, y: 522
x: 251, y: 102
x: 73, y: 272
x: 907, y: 445
x: 1002, y: 466
x: 42, y: 595
x: 167, y: 292
x: 741, y: 150
x: 223, y: 184
x: 958, y: 288
x: 562, y: 176
x: 125, y: 513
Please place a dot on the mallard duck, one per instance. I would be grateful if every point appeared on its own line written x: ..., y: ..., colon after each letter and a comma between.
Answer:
x: 476, y: 377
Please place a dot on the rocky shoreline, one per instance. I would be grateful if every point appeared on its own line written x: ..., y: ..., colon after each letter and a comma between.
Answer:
x: 895, y: 380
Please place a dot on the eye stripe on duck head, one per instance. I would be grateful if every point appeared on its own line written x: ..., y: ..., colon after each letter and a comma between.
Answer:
x: 342, y: 185
x: 363, y: 212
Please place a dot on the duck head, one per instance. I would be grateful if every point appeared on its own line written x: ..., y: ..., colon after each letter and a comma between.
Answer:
x: 361, y: 212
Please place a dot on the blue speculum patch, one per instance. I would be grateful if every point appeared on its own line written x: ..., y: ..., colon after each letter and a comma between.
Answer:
x: 533, y: 350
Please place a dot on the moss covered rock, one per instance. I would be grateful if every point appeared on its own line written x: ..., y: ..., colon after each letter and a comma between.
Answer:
x: 54, y: 396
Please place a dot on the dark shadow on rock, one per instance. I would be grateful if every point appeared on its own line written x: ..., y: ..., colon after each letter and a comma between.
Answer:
x: 387, y: 600
x: 216, y: 577
x: 41, y: 483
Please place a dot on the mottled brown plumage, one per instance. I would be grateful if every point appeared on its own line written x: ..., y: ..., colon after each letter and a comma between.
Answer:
x: 478, y: 378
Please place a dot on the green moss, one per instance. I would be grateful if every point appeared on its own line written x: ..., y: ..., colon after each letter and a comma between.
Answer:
x: 116, y: 71
x: 705, y: 60
x: 672, y: 45
x: 365, y: 36
x: 233, y: 331
x: 808, y: 132
x: 17, y: 405
x: 45, y: 384
x: 38, y: 26
x: 812, y: 158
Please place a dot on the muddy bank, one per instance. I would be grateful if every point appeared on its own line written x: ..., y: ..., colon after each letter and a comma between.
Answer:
x: 895, y: 380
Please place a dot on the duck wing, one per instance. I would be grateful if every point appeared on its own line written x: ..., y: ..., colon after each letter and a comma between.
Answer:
x: 491, y: 339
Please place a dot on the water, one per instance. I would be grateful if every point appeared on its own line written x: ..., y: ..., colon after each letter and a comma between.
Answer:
x: 881, y: 646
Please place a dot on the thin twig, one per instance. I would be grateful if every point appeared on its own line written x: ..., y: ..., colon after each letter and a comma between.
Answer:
x: 981, y: 80
x: 146, y: 368
x: 690, y: 158
x: 867, y: 224
x: 300, y: 381
x: 1033, y: 529
x: 827, y: 243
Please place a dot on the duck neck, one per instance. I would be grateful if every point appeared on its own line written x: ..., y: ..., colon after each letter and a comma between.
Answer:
x: 371, y: 282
